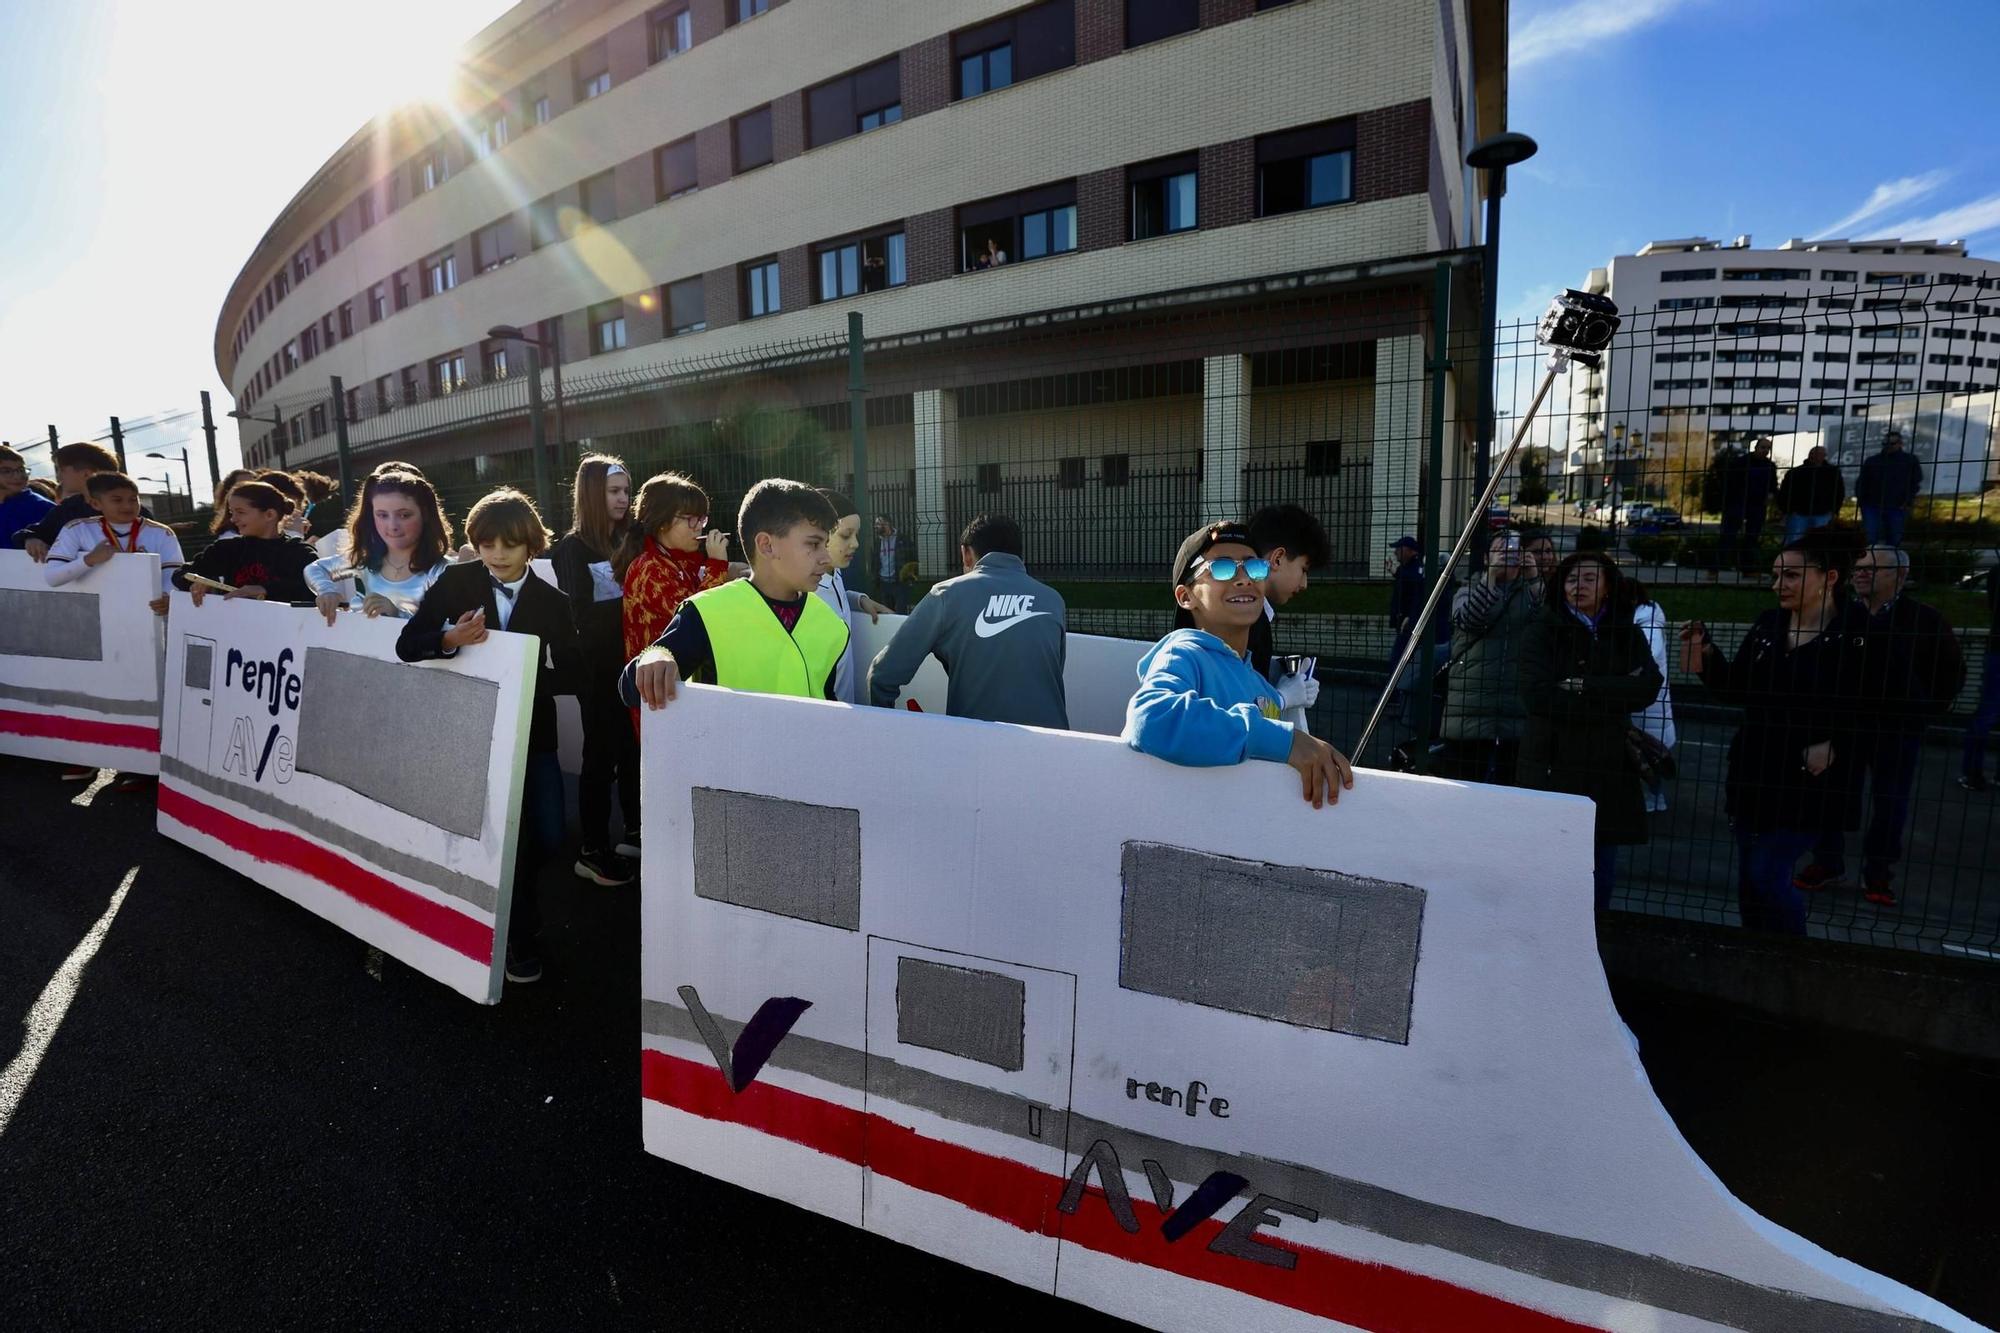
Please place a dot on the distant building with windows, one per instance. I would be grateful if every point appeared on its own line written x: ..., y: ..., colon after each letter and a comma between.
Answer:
x: 1724, y: 342
x: 1146, y: 186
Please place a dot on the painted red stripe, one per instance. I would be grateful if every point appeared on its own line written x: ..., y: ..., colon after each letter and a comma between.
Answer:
x: 1329, y: 1285
x: 434, y: 921
x: 84, y: 730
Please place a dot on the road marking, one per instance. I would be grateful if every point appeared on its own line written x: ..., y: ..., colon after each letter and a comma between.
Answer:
x: 105, y: 777
x: 46, y: 1015
x: 372, y: 964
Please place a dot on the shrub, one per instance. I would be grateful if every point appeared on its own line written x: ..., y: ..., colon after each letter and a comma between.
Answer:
x: 1937, y: 565
x: 1655, y: 550
x: 1593, y: 538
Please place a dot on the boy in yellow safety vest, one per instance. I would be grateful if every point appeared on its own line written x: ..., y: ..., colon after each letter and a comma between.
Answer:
x: 767, y: 633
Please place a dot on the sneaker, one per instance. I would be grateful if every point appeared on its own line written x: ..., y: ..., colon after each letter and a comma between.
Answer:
x: 1815, y: 877
x: 524, y: 966
x: 78, y: 773
x: 1974, y: 782
x: 1876, y: 889
x: 628, y: 847
x: 606, y: 868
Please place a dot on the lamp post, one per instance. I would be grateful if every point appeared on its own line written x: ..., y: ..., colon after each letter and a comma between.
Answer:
x: 186, y: 471
x: 1493, y: 156
x: 277, y: 420
x: 553, y: 347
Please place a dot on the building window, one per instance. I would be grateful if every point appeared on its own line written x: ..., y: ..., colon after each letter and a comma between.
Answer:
x: 540, y: 111
x: 750, y: 133
x: 1019, y: 226
x: 319, y: 247
x: 760, y: 288
x: 309, y: 343
x: 1687, y: 302
x: 378, y: 303
x: 492, y: 246
x: 1150, y: 20
x: 1114, y: 470
x: 1306, y: 168
x: 367, y: 211
x: 673, y: 32
x: 1688, y: 275
x: 674, y: 171
x: 600, y: 198
x: 742, y: 11
x: 490, y: 135
x: 1162, y: 197
x: 869, y: 264
x: 687, y: 306
x: 433, y: 171
x: 1766, y: 274
x: 302, y: 264
x: 316, y: 420
x: 607, y: 327
x: 291, y: 355
x: 988, y: 482
x: 493, y: 360
x: 1022, y: 45
x: 1838, y: 275
x: 591, y: 69
x: 326, y: 329
x: 402, y: 286
x: 447, y: 375
x: 855, y: 103
x: 542, y: 228
x: 1069, y: 474
x: 346, y: 319
x: 1323, y: 458
x: 439, y: 274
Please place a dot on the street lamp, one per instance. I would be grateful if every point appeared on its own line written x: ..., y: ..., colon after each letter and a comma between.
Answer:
x: 552, y: 346
x: 538, y: 434
x: 277, y: 420
x: 1494, y: 156
x: 185, y: 469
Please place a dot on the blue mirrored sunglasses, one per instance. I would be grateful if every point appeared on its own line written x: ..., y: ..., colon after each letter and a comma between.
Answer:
x: 1224, y: 569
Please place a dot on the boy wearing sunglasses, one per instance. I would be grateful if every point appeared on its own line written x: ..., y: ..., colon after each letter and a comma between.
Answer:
x: 1199, y: 702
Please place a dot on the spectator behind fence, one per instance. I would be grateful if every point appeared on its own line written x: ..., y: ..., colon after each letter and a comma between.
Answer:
x: 1746, y: 482
x: 219, y: 526
x: 1484, y: 716
x: 1889, y: 484
x: 1810, y: 495
x: 848, y: 684
x: 1000, y: 635
x: 75, y: 465
x: 600, y: 506
x: 1801, y: 677
x: 1199, y: 701
x: 1585, y: 669
x: 1920, y: 671
x: 891, y: 563
x: 1538, y: 554
x: 769, y: 633
x: 668, y: 555
x: 1294, y: 543
x: 1656, y: 720
x: 263, y: 563
x: 20, y: 504
x: 1972, y: 765
x: 467, y: 603
x: 398, y: 542
x: 1406, y: 603
x: 117, y: 526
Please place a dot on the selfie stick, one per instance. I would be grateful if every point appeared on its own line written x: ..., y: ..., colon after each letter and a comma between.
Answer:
x: 1568, y: 342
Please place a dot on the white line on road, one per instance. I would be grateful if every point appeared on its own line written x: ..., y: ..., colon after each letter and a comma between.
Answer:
x: 105, y: 777
x: 47, y: 1013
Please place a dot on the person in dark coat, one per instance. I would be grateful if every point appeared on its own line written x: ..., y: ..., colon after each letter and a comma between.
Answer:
x: 1811, y: 494
x: 1972, y: 765
x: 1802, y: 677
x: 1753, y: 482
x: 1584, y: 671
x: 1889, y: 483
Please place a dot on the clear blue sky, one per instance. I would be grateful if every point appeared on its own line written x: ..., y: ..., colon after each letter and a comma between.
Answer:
x: 149, y: 144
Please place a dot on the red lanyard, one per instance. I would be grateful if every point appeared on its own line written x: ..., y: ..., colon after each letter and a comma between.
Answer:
x: 132, y: 543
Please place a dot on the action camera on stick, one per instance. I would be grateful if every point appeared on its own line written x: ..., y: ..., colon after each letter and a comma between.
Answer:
x: 1579, y: 326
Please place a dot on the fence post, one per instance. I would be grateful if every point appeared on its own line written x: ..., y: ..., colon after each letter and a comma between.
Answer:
x: 208, y: 433
x: 118, y: 443
x: 857, y: 428
x: 1430, y: 504
x: 54, y: 444
x: 340, y: 443
x: 538, y: 434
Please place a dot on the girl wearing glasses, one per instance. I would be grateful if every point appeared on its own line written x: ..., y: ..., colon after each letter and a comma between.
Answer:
x: 1199, y: 701
x: 668, y: 555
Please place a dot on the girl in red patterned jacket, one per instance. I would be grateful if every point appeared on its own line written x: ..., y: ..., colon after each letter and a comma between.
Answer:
x: 666, y: 557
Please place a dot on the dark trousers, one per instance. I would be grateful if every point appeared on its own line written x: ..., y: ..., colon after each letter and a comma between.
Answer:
x: 610, y: 755
x: 1739, y: 552
x: 1604, y: 873
x: 540, y: 837
x: 1765, y: 893
x: 1890, y: 763
x: 1492, y: 762
x: 1987, y: 714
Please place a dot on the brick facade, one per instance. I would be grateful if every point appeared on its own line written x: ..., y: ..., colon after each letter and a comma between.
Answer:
x: 1226, y: 183
x: 1392, y: 151
x: 714, y: 154
x: 720, y: 290
x: 795, y: 278
x: 930, y: 246
x: 1215, y: 13
x: 631, y: 50
x: 1100, y: 209
x: 708, y: 18
x: 788, y: 126
x: 1100, y: 29
x: 636, y: 185
x: 926, y: 75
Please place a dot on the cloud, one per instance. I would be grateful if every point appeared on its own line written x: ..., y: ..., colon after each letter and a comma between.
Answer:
x: 1581, y: 24
x: 1960, y: 223
x: 1887, y: 195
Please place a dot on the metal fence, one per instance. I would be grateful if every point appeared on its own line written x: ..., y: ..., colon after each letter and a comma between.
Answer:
x: 1110, y: 434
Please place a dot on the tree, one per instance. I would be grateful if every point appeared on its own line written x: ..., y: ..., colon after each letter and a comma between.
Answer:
x: 1534, y: 484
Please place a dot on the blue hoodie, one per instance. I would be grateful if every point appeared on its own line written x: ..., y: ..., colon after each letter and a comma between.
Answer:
x: 1200, y: 704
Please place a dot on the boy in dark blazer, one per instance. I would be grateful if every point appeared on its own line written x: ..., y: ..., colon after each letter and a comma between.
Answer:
x: 470, y: 601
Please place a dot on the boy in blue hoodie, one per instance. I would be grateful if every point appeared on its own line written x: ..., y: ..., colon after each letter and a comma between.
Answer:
x: 1199, y: 702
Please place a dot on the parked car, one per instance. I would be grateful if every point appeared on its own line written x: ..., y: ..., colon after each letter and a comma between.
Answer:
x: 1498, y: 516
x: 1667, y: 518
x: 1633, y: 513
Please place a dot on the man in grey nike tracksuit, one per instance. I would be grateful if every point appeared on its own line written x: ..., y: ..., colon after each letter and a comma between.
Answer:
x: 998, y: 633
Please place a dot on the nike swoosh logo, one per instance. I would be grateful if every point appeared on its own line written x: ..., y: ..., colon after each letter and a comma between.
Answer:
x: 986, y: 629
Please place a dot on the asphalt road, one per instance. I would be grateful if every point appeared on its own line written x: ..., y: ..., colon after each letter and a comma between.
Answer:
x: 246, y: 1118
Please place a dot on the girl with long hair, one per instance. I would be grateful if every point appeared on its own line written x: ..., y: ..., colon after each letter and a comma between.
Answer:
x: 219, y: 527
x: 398, y: 542
x: 263, y: 563
x: 669, y: 554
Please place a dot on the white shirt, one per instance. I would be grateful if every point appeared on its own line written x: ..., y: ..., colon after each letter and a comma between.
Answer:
x: 504, y: 604
x: 833, y: 590
x: 79, y: 538
x: 356, y: 587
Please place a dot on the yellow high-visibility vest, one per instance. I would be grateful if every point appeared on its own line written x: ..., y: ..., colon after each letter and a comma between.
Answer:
x: 753, y: 652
